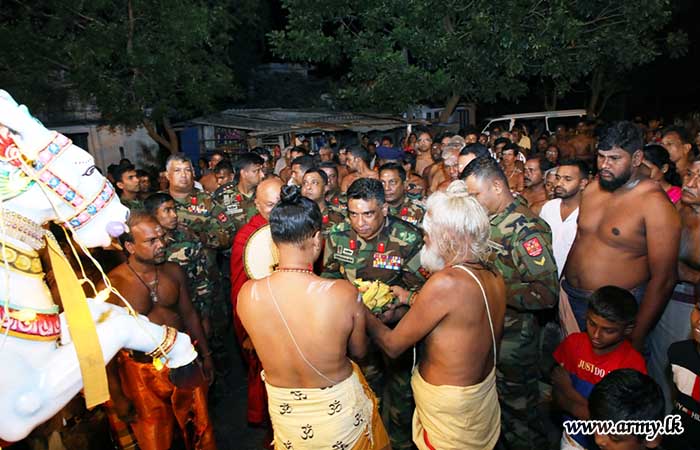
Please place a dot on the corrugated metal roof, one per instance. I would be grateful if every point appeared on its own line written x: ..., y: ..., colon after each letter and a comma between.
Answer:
x: 266, y: 122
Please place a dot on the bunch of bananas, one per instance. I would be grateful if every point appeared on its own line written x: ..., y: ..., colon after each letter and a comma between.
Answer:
x: 375, y: 294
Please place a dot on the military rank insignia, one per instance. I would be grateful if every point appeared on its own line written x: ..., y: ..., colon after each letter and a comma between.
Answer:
x: 533, y: 247
x: 343, y: 254
x: 384, y: 261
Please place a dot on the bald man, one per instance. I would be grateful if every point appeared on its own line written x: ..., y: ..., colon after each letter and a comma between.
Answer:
x: 267, y: 194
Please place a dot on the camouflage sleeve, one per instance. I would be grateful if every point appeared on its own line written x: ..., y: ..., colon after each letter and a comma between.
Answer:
x: 411, y: 275
x: 221, y: 229
x: 201, y: 286
x: 539, y: 284
x: 331, y: 267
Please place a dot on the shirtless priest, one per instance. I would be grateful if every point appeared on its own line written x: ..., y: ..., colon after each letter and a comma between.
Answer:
x: 459, y: 312
x: 302, y: 327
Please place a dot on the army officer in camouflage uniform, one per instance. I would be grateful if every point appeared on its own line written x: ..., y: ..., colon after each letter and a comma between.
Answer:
x: 209, y: 222
x: 522, y: 252
x: 373, y: 245
x: 393, y: 178
x: 237, y: 194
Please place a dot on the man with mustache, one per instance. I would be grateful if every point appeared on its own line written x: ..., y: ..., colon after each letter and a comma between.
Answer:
x: 673, y: 325
x: 146, y: 398
x: 534, y: 192
x: 628, y: 236
x: 374, y: 245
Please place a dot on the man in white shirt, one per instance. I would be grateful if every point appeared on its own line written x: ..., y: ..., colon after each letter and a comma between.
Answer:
x: 561, y: 213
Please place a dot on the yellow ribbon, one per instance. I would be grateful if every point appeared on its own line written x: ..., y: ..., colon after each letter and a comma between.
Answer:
x: 81, y: 326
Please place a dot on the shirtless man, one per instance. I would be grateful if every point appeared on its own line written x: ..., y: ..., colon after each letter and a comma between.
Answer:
x: 461, y: 325
x: 358, y: 161
x: 158, y: 290
x: 436, y: 153
x: 628, y: 236
x: 673, y: 325
x: 513, y: 173
x: 312, y: 386
x: 534, y: 192
x: 450, y: 161
x: 449, y: 164
x: 676, y: 141
x: 423, y: 156
x: 292, y: 154
x: 578, y: 146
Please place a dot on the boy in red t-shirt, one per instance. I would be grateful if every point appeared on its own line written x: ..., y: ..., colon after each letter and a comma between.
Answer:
x: 585, y: 358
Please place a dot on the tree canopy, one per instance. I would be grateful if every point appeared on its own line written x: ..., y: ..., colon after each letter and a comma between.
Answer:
x: 395, y: 53
x: 140, y: 62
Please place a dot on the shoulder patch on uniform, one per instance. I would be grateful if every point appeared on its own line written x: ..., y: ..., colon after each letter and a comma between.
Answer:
x: 222, y: 217
x: 533, y: 247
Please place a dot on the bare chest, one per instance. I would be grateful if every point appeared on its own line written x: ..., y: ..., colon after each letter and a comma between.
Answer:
x: 690, y: 238
x: 614, y: 220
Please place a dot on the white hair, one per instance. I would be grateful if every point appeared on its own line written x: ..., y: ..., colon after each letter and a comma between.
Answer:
x: 457, y: 225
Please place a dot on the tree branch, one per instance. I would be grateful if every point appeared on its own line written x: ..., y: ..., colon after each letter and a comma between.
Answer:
x: 153, y: 133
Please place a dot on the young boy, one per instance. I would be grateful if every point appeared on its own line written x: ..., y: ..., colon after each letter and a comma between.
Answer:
x: 684, y: 357
x: 585, y: 358
x: 622, y: 395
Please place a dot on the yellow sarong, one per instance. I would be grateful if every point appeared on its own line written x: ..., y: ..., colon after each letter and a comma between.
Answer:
x: 344, y: 416
x: 456, y: 417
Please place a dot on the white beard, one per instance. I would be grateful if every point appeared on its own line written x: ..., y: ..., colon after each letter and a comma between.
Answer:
x: 430, y: 259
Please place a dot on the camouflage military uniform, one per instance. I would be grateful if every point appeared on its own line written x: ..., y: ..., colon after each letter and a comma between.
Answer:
x: 331, y: 218
x: 337, y: 201
x: 238, y: 206
x: 183, y: 248
x: 408, y: 211
x: 133, y: 205
x: 210, y: 223
x: 393, y: 257
x: 207, y: 219
x: 522, y: 245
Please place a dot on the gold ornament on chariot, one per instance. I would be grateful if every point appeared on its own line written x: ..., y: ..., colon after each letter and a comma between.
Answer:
x: 10, y: 255
x: 23, y: 262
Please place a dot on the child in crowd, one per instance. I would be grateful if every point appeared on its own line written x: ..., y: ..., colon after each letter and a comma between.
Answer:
x: 585, y: 358
x: 623, y: 395
x: 684, y: 357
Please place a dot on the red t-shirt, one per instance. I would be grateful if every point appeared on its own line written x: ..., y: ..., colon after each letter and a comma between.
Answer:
x: 586, y: 368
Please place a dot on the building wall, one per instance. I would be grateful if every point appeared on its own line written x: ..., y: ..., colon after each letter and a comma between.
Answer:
x: 108, y: 146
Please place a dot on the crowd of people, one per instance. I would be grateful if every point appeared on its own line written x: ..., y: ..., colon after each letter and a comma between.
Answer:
x: 535, y: 279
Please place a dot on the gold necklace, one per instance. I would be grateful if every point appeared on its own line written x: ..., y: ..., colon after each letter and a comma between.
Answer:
x: 294, y: 270
x: 152, y: 286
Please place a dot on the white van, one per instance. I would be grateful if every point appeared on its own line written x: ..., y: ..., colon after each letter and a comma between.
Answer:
x: 543, y: 121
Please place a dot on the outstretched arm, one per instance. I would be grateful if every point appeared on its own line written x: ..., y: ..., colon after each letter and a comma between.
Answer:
x: 192, y: 322
x: 430, y: 306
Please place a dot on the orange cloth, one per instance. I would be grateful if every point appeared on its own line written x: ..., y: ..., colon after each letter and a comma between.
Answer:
x: 257, y: 397
x: 122, y: 435
x: 159, y: 404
